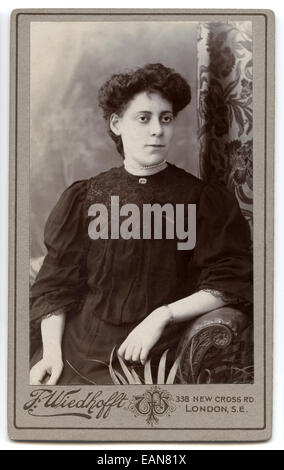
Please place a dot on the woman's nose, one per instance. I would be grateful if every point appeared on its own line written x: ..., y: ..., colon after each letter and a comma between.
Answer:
x: 156, y: 127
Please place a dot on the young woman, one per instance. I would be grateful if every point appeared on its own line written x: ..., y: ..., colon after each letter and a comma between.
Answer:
x: 111, y: 280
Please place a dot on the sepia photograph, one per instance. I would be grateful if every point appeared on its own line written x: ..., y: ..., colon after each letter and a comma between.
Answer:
x: 141, y: 225
x: 141, y: 202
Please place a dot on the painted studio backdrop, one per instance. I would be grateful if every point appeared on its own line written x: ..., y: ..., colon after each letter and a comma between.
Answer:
x: 69, y: 140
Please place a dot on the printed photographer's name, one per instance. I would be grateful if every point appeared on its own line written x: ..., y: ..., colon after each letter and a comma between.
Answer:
x: 156, y: 221
x: 45, y: 402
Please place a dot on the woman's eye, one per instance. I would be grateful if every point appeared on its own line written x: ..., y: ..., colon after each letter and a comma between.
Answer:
x: 143, y: 118
x: 167, y: 119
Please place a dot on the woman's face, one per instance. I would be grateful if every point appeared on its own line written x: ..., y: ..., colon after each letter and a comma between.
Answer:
x: 146, y: 129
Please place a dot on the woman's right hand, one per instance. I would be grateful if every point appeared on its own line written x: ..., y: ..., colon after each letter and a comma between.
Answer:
x: 51, y: 365
x: 49, y: 369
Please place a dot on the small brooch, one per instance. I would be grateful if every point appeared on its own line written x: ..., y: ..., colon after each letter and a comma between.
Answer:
x: 142, y: 180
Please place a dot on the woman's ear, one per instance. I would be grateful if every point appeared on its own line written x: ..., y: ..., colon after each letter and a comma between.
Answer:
x: 114, y: 124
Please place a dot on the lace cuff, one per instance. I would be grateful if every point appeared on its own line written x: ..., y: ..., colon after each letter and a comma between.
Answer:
x: 52, y: 314
x: 227, y: 298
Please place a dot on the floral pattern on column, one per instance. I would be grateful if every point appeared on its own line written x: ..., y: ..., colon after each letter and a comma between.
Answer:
x: 225, y: 113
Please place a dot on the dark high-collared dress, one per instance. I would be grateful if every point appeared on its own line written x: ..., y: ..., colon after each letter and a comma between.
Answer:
x: 108, y: 286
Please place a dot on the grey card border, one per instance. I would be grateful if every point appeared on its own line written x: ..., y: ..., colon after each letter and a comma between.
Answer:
x: 103, y: 434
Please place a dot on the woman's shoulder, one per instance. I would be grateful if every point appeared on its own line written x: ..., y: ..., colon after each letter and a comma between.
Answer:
x: 79, y: 189
x: 75, y: 192
x: 107, y: 175
x: 184, y: 174
x: 208, y: 193
x: 185, y: 181
x: 68, y: 204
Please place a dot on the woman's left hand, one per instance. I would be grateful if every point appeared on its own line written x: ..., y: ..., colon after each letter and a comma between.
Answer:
x: 141, y: 339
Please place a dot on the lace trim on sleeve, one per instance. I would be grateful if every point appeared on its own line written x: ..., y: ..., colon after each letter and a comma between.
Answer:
x: 52, y: 314
x: 227, y: 298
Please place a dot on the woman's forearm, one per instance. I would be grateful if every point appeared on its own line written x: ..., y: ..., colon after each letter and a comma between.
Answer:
x: 52, y: 329
x: 193, y: 306
x: 145, y: 335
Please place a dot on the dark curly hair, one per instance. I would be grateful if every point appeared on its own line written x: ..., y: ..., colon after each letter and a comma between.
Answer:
x: 114, y: 95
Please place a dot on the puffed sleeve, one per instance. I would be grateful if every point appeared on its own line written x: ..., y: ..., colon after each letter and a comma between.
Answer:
x: 62, y: 278
x: 222, y: 255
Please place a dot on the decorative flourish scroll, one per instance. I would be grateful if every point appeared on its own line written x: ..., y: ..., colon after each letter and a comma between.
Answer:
x: 153, y: 404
